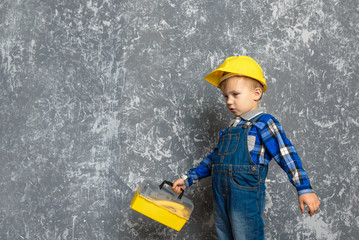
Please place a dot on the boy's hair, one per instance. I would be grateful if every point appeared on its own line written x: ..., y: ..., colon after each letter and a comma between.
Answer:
x: 254, y: 83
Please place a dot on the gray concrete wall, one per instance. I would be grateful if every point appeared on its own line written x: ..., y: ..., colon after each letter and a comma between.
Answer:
x: 98, y: 95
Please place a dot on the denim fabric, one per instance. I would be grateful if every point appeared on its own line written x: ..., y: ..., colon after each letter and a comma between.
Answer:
x: 238, y: 187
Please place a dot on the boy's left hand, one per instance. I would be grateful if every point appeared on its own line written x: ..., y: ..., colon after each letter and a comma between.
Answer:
x: 311, y: 200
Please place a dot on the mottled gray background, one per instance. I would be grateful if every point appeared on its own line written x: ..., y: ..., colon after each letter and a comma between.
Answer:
x: 98, y: 95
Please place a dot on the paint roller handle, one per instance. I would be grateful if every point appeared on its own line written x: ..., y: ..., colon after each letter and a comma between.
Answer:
x: 171, y: 184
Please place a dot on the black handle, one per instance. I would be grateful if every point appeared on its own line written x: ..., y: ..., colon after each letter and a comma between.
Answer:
x: 171, y: 184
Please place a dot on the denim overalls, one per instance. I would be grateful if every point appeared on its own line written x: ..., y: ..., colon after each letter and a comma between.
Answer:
x: 238, y: 187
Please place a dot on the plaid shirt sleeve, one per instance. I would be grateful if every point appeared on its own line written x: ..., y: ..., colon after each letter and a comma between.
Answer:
x: 284, y: 153
x: 203, y: 170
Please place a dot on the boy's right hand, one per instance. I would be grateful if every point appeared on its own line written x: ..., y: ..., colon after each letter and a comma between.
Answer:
x: 178, y: 185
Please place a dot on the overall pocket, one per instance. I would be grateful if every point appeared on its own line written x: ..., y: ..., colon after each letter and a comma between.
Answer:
x: 246, y: 180
x: 228, y: 144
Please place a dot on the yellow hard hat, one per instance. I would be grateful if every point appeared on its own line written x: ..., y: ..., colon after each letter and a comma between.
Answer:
x: 237, y: 65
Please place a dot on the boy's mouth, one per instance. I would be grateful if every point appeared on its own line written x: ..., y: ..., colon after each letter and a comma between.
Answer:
x: 232, y: 109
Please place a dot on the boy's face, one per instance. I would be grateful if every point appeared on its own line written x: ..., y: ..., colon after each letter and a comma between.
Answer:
x: 241, y: 97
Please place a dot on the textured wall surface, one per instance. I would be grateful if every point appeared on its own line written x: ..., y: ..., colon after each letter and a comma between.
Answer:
x: 98, y: 95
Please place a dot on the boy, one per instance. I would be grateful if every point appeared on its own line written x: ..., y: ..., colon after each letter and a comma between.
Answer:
x: 239, y: 163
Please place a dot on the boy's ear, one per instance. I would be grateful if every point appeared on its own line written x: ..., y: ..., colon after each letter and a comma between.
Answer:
x: 257, y: 94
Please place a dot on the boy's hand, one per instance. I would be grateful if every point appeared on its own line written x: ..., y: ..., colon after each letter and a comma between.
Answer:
x: 311, y: 200
x: 178, y: 185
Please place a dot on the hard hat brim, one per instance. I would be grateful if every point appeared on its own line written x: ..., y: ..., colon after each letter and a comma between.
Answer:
x: 215, y: 76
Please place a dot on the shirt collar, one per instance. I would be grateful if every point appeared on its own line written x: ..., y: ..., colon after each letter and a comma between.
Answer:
x: 249, y: 115
x: 246, y: 117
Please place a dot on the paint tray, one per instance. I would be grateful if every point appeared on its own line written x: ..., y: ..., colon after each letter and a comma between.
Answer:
x: 162, y: 204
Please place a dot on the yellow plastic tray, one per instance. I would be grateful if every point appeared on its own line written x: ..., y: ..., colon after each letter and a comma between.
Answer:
x: 166, y: 211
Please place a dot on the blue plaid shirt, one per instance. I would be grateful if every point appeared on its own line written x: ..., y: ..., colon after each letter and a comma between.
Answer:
x: 268, y: 141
